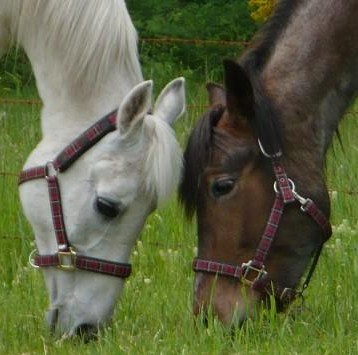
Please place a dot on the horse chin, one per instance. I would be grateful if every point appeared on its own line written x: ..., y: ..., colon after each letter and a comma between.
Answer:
x: 87, y: 332
x: 84, y: 331
x: 82, y: 312
x: 230, y: 316
x: 228, y: 301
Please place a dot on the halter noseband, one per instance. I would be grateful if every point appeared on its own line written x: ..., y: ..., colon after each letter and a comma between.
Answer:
x: 66, y: 257
x: 285, y: 193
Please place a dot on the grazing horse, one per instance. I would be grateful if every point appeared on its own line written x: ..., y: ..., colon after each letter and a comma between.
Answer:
x: 254, y: 163
x: 107, y: 157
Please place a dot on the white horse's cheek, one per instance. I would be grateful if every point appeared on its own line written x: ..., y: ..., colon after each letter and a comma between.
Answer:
x: 35, y: 202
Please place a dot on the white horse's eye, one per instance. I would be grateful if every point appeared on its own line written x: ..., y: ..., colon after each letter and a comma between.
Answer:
x: 108, y: 208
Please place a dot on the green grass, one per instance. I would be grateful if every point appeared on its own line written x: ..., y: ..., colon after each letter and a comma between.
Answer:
x: 154, y: 315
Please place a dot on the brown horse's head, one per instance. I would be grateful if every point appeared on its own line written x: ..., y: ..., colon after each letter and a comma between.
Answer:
x: 228, y: 182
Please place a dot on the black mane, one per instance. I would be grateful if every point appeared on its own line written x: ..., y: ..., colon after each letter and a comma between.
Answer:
x: 263, y: 44
x: 197, y: 156
x: 266, y: 121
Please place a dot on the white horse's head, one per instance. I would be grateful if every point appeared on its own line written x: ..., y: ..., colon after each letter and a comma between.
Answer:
x: 106, y: 196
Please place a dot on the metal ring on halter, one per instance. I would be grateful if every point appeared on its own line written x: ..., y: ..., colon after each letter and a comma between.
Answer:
x: 302, y: 200
x: 267, y: 155
x: 293, y: 187
x: 32, y: 259
x: 50, y: 169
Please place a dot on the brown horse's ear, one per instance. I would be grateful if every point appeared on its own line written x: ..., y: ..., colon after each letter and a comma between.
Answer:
x: 239, y: 91
x: 217, y: 94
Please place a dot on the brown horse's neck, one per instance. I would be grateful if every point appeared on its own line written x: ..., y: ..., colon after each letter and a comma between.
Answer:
x: 311, y: 76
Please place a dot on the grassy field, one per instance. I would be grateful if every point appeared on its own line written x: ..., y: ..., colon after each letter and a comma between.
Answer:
x: 154, y: 315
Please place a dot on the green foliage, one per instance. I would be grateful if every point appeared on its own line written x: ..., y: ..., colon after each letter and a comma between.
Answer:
x: 199, y: 20
x: 15, y: 73
x: 195, y: 20
x: 217, y: 20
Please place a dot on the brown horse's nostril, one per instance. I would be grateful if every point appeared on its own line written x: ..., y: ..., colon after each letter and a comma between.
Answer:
x: 201, y: 314
x: 201, y: 317
x: 204, y: 318
x: 87, y: 332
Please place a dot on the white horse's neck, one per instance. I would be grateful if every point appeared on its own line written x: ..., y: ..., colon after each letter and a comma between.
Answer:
x: 84, y: 57
x: 66, y: 113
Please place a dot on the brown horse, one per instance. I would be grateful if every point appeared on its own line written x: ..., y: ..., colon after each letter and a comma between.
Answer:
x: 258, y: 155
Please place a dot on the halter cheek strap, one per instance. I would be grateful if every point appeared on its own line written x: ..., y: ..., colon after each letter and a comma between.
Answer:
x: 66, y: 257
x: 253, y: 272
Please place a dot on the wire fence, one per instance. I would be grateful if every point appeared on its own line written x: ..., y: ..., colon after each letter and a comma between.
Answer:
x: 166, y: 41
x: 157, y: 40
x: 30, y: 102
x: 37, y: 102
x: 195, y: 42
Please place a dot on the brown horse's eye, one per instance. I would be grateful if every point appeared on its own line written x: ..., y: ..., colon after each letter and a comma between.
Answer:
x: 222, y: 187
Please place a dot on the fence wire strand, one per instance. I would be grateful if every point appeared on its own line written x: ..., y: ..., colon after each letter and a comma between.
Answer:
x: 165, y: 41
x: 195, y: 41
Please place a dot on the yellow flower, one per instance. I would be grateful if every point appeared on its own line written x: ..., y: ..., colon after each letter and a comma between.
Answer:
x: 261, y: 9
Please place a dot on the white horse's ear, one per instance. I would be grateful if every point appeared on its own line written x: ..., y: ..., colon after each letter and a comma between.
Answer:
x: 134, y: 107
x: 171, y: 101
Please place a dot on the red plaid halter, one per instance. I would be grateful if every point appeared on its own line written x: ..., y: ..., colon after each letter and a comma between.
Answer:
x: 66, y: 257
x: 285, y: 194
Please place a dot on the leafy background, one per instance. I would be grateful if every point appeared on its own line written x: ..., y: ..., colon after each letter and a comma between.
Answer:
x: 199, y: 19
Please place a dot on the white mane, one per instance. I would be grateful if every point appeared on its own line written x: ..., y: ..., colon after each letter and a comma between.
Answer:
x: 87, y: 37
x: 164, y: 162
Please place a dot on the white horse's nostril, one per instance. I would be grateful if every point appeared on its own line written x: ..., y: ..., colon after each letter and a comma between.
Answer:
x: 52, y: 317
x: 87, y: 332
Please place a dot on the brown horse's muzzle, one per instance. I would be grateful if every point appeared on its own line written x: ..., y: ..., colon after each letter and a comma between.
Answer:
x: 225, y: 298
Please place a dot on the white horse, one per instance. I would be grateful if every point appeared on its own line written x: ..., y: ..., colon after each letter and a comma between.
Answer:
x: 84, y: 57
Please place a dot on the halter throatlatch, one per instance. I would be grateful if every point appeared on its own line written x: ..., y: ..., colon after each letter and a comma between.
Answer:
x: 253, y: 272
x: 66, y: 257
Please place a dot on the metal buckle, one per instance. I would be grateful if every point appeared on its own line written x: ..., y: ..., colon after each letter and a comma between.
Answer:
x: 302, y: 200
x: 67, y: 260
x: 50, y: 169
x: 247, y: 268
